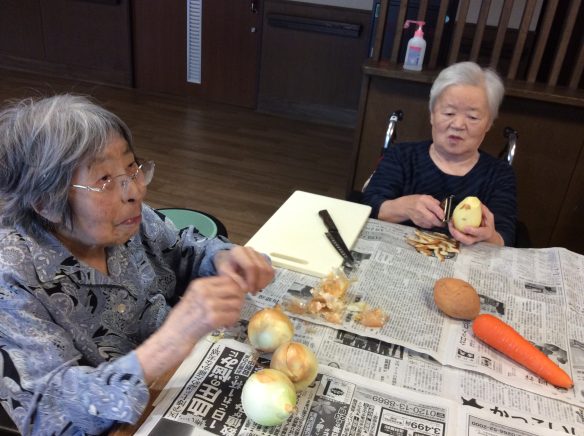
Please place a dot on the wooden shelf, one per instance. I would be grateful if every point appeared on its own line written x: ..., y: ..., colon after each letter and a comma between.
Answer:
x: 532, y: 91
x: 393, y: 71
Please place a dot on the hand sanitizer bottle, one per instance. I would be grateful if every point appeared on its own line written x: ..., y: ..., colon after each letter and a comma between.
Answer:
x: 416, y: 48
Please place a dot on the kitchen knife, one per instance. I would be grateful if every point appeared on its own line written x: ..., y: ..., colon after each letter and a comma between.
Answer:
x: 335, y: 238
x: 335, y: 243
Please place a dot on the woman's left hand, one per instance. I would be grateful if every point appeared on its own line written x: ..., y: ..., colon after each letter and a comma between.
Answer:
x: 250, y: 269
x: 486, y: 232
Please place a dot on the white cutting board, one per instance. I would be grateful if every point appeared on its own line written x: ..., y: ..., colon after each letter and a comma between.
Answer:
x: 294, y: 237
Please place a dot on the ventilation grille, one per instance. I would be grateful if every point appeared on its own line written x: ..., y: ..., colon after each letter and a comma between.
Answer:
x: 194, y: 34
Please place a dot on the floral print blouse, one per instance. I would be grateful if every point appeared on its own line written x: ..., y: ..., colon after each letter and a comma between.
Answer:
x: 67, y: 331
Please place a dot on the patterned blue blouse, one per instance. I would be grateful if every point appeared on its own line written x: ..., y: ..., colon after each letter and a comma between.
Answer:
x: 67, y: 331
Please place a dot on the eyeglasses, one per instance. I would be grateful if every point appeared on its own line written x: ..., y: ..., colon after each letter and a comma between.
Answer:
x: 141, y: 174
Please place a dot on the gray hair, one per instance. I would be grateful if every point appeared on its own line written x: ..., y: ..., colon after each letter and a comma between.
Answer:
x: 42, y: 142
x: 469, y: 73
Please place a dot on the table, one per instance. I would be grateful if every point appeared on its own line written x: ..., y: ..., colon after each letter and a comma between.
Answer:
x: 538, y: 290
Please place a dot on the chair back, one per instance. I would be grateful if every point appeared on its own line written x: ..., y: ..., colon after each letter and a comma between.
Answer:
x: 390, y: 137
x: 522, y: 238
x: 205, y: 223
x: 508, y: 152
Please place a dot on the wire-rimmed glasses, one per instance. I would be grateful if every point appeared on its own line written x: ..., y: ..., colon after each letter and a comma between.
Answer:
x: 141, y: 174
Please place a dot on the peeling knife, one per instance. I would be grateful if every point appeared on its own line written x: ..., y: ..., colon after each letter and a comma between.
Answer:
x: 335, y: 238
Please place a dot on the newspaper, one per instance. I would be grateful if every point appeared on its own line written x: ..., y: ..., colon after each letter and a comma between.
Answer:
x: 420, y: 359
x: 205, y: 399
x: 396, y: 365
x: 538, y: 292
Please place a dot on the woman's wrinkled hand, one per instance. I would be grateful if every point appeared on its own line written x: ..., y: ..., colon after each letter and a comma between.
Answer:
x: 250, y: 269
x: 486, y: 232
x: 211, y: 302
x: 424, y: 211
x: 208, y: 303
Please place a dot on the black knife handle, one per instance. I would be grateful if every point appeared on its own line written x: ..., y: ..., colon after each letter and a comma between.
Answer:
x: 328, y: 221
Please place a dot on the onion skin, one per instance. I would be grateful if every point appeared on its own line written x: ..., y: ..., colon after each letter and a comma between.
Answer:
x: 298, y: 362
x: 268, y: 397
x: 269, y: 328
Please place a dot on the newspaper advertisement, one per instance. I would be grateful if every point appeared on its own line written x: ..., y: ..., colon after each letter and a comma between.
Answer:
x: 533, y: 290
x: 207, y: 401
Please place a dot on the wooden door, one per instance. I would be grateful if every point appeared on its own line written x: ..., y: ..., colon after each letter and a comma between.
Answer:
x: 231, y: 35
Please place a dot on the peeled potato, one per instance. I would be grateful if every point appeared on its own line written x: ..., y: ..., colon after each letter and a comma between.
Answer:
x: 457, y: 298
x: 468, y: 213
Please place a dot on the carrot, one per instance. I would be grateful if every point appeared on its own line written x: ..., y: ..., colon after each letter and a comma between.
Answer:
x: 504, y: 338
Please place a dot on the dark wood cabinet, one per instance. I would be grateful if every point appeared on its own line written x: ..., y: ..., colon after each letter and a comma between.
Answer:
x: 87, y: 39
x: 230, y: 47
x: 311, y: 60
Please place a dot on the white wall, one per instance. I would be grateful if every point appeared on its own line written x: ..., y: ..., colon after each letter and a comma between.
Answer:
x: 495, y: 12
x: 473, y: 12
x: 355, y: 4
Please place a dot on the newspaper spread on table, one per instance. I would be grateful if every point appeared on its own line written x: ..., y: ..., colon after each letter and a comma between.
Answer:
x: 426, y: 358
x: 538, y: 292
x: 204, y: 398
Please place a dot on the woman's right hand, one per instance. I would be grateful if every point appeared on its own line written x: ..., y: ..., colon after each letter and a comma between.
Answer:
x: 423, y: 210
x: 208, y: 303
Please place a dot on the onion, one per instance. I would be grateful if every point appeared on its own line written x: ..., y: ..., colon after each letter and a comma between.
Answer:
x: 298, y: 362
x: 268, y: 397
x: 269, y: 328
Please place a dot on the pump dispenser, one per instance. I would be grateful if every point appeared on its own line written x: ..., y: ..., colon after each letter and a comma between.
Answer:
x: 416, y: 47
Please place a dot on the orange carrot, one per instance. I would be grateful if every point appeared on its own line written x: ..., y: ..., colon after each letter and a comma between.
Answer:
x: 504, y: 338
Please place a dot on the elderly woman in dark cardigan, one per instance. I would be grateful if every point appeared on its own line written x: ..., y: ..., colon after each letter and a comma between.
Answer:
x: 413, y: 178
x: 99, y: 295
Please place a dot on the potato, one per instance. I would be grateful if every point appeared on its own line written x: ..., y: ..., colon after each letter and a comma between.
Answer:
x: 468, y: 213
x: 456, y: 298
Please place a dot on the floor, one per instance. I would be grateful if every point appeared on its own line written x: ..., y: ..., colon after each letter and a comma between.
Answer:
x: 235, y: 163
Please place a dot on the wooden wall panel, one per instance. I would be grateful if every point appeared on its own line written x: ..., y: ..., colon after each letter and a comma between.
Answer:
x: 230, y: 52
x: 230, y: 46
x: 568, y: 231
x: 89, y: 36
x: 20, y: 29
x: 160, y: 45
x: 86, y: 39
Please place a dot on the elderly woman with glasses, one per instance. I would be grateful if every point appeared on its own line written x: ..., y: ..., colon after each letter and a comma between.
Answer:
x: 412, y: 179
x: 99, y: 295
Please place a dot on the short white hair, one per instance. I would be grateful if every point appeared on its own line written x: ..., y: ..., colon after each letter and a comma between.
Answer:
x: 469, y: 73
